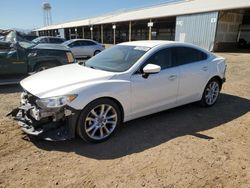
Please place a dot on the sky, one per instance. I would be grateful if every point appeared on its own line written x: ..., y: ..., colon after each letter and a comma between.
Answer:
x: 28, y: 14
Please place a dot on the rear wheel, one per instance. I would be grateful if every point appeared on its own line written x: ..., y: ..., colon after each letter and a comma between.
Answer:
x: 44, y: 66
x: 99, y: 120
x: 211, y: 93
x: 97, y: 52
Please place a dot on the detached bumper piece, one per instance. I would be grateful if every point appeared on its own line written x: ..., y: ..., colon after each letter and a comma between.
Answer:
x: 45, y: 124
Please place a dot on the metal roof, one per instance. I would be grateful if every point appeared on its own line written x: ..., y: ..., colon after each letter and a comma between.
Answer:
x: 163, y: 10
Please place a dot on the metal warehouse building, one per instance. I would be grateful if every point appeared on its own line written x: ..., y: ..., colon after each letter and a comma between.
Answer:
x: 211, y: 24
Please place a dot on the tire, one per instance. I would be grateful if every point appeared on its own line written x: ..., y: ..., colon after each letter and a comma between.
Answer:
x: 97, y: 52
x: 44, y: 66
x: 211, y: 93
x: 99, y: 120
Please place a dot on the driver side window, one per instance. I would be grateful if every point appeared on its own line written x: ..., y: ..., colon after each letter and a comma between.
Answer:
x: 163, y: 58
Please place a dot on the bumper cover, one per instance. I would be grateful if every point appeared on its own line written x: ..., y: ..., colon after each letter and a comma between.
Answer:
x: 48, y: 130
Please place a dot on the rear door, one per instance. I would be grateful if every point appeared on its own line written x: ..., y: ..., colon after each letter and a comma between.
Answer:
x: 194, y: 73
x: 76, y: 48
x: 90, y: 48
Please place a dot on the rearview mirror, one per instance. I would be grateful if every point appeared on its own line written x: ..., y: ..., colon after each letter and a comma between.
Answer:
x: 150, y: 69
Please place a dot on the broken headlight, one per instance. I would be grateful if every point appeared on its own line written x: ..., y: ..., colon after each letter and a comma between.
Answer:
x: 55, y: 102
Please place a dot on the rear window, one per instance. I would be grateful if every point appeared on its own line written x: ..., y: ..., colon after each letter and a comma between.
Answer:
x: 186, y: 55
x: 56, y: 40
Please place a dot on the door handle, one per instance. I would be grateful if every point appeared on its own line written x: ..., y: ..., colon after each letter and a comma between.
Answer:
x: 204, y: 68
x: 172, y: 77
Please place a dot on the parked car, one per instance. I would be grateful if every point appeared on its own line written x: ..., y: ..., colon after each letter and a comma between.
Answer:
x: 53, y: 40
x: 20, y: 58
x: 84, y: 48
x: 127, y: 81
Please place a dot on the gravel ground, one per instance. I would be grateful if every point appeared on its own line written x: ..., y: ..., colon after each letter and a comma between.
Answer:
x: 187, y: 146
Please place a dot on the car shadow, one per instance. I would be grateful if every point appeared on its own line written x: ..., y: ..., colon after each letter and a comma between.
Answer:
x: 15, y: 88
x: 150, y: 131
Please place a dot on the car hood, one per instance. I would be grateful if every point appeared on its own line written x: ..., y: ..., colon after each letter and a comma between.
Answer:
x: 52, y: 47
x: 51, y: 80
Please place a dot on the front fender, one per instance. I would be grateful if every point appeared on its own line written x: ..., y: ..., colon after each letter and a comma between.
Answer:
x: 116, y: 89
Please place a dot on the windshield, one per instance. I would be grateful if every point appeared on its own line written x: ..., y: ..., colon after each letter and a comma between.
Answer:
x: 26, y: 44
x: 117, y: 59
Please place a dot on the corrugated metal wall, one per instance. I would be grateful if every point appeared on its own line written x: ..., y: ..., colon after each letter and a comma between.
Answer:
x: 198, y: 29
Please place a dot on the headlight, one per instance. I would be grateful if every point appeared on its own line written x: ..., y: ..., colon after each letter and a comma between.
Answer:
x: 70, y: 57
x: 55, y: 102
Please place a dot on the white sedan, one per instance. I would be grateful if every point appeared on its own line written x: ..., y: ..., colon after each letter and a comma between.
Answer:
x: 82, y: 48
x: 127, y: 81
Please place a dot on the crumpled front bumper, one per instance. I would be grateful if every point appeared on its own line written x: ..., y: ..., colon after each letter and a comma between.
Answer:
x: 47, y: 129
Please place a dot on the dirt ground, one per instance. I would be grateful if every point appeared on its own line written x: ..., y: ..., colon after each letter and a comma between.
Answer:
x: 187, y: 146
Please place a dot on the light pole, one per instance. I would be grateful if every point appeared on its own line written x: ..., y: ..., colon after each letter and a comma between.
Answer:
x: 91, y: 30
x: 114, y: 28
x: 150, y: 25
x: 76, y: 32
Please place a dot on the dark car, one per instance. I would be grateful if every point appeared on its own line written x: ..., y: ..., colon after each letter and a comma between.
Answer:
x: 53, y: 40
x: 21, y: 58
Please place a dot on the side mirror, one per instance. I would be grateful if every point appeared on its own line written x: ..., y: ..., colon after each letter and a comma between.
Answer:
x: 150, y: 69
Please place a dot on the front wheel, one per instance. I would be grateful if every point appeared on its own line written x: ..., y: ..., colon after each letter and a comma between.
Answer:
x: 99, y: 120
x: 211, y: 93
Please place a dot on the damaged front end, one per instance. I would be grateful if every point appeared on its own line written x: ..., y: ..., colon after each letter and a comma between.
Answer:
x: 49, y: 119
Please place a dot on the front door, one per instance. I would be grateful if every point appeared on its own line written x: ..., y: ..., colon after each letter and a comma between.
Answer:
x: 157, y: 92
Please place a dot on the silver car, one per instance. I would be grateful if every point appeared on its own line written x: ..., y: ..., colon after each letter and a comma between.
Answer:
x: 82, y: 48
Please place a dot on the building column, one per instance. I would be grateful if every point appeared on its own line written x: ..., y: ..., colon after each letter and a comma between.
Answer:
x: 91, y: 32
x: 102, y: 34
x: 130, y: 31
x: 150, y: 31
x: 76, y: 33
x: 114, y: 28
x: 83, y: 33
x: 69, y: 33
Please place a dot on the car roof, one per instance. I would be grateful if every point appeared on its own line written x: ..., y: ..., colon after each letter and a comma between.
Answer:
x: 154, y: 43
x: 49, y: 37
x: 73, y: 40
x: 147, y: 43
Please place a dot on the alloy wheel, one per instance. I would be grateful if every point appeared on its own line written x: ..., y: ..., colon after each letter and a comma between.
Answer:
x: 212, y: 92
x: 101, y: 121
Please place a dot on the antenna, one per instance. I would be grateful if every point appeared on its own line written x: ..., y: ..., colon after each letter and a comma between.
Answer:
x: 47, y: 18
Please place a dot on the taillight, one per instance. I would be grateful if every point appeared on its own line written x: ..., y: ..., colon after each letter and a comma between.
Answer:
x: 70, y: 57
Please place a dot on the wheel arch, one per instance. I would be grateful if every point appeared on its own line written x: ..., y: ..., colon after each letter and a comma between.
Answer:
x: 38, y: 63
x: 95, y: 51
x: 217, y: 78
x: 113, y: 99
